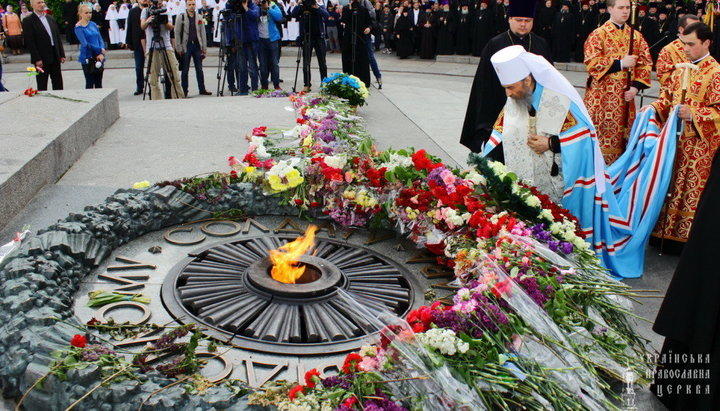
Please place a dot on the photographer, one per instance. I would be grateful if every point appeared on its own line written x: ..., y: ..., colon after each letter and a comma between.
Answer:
x: 191, y: 44
x: 241, y: 38
x: 154, y: 20
x: 312, y: 35
x: 269, y: 49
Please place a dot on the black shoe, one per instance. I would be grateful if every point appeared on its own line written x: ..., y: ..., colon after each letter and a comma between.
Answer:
x: 233, y: 89
x: 137, y: 93
x: 205, y: 93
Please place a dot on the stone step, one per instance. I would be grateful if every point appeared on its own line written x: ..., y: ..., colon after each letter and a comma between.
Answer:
x: 52, y: 135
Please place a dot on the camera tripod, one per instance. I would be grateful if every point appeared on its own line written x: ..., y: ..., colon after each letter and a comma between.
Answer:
x: 158, y: 45
x: 306, y: 49
x: 225, y: 58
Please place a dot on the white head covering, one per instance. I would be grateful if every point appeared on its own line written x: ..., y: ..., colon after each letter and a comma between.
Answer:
x: 112, y: 13
x: 124, y: 12
x: 513, y: 64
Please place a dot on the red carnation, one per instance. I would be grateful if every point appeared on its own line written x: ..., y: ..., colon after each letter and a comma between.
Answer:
x: 350, y: 401
x: 437, y: 249
x: 351, y: 363
x: 259, y: 131
x: 314, y: 204
x: 298, y: 202
x: 502, y: 287
x: 78, y: 341
x: 309, y: 377
x: 295, y: 391
x: 233, y: 174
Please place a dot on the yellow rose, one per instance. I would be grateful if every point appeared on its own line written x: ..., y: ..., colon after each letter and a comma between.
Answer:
x: 141, y: 184
x: 294, y: 178
x: 249, y: 169
x: 276, y: 183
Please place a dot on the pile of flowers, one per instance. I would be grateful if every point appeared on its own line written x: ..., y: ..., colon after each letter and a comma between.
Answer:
x: 266, y: 93
x: 345, y: 86
x: 534, y: 319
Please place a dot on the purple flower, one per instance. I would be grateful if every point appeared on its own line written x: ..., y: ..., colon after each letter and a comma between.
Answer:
x: 344, y: 382
x: 566, y: 248
x: 386, y: 404
x: 532, y: 288
x: 553, y: 245
x: 92, y: 352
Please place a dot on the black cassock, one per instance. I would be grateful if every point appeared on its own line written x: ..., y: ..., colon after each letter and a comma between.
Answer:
x: 649, y: 29
x: 463, y: 34
x: 585, y: 23
x: 487, y: 96
x: 428, y: 35
x: 356, y: 20
x: 543, y: 23
x: 69, y: 14
x: 689, y: 317
x: 446, y: 32
x: 501, y: 18
x: 483, y: 29
x: 404, y: 36
x: 563, y: 40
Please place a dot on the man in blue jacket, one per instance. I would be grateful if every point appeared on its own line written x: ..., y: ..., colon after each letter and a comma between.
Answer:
x: 312, y: 18
x: 242, y: 40
x: 269, y: 43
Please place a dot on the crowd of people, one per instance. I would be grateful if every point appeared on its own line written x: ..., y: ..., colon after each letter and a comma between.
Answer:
x: 405, y: 27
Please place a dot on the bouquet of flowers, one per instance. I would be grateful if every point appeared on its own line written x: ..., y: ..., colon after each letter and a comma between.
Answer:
x: 346, y: 87
x: 533, y: 320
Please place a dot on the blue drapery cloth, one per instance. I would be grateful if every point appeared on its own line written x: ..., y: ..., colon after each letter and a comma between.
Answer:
x: 618, y: 220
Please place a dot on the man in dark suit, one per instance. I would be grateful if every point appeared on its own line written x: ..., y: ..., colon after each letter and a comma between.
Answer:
x: 417, y: 16
x: 42, y: 39
x: 135, y: 38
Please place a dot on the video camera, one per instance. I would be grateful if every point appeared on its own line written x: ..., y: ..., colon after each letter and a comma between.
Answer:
x: 160, y: 13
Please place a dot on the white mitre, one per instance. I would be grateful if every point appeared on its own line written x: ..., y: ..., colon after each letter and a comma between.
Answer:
x: 513, y: 64
x: 509, y: 65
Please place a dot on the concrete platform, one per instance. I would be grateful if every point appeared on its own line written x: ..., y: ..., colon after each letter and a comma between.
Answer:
x: 42, y: 137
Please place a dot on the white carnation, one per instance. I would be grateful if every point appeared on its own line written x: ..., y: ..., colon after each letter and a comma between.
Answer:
x: 532, y: 201
x: 336, y: 161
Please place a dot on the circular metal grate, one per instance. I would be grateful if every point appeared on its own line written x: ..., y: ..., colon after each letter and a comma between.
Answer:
x: 227, y: 287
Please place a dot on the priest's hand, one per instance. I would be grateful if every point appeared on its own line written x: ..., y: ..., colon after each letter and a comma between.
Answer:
x: 628, y: 61
x: 685, y: 113
x: 631, y: 93
x: 538, y: 144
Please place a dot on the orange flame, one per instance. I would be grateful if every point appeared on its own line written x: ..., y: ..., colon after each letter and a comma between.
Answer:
x: 285, y: 258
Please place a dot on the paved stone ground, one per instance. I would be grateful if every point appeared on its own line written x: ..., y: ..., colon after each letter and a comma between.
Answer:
x: 422, y: 104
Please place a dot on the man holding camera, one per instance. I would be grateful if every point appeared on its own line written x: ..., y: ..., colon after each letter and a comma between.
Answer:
x: 242, y: 40
x: 269, y: 46
x: 312, y: 35
x: 154, y: 20
x: 191, y: 43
